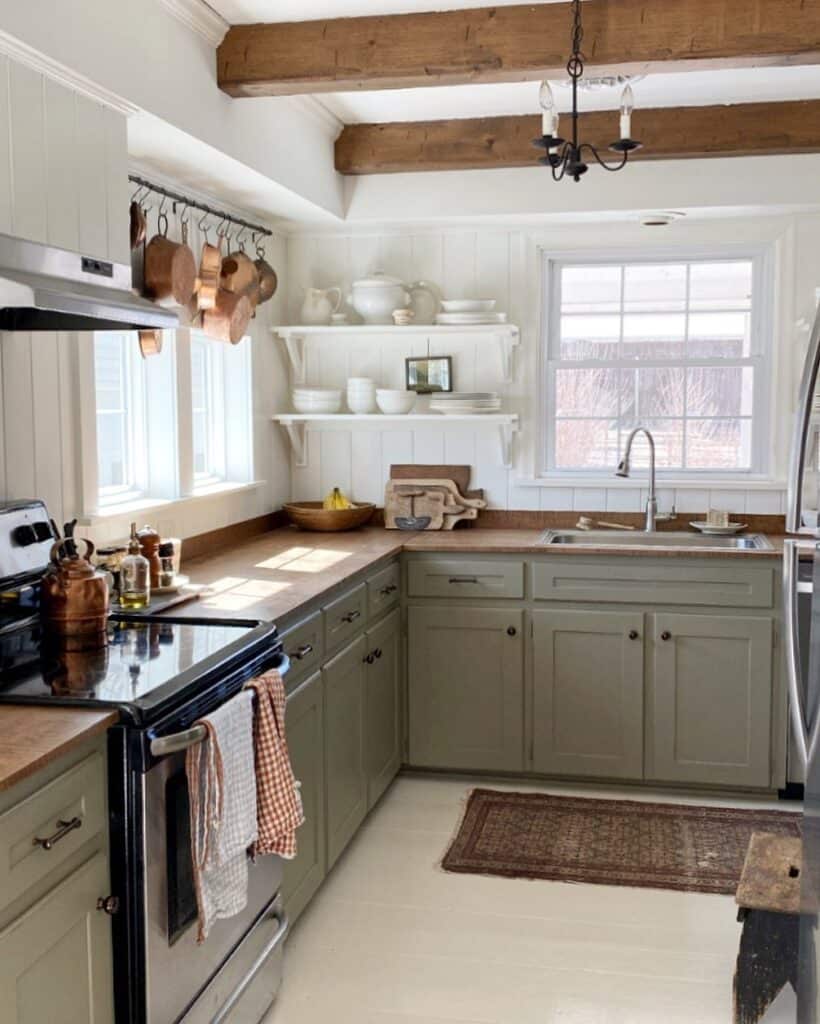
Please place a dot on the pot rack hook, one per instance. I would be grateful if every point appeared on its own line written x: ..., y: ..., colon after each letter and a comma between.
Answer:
x: 258, y: 240
x: 239, y: 237
x: 162, y: 217
x: 204, y: 226
x: 140, y: 188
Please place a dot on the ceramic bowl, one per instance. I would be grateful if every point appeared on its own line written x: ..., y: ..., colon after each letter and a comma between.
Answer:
x: 395, y: 403
x: 468, y: 305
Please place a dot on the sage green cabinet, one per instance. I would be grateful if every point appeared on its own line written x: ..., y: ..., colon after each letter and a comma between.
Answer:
x: 711, y: 684
x: 346, y: 779
x: 55, y: 959
x: 466, y: 687
x: 588, y: 672
x: 382, y: 717
x: 306, y: 743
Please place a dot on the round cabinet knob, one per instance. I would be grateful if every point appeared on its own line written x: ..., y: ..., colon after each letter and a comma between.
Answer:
x: 666, y: 635
x: 511, y: 631
x: 633, y: 634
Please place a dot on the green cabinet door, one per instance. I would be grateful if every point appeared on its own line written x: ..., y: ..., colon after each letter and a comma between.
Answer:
x: 346, y: 781
x: 55, y: 959
x: 466, y: 687
x: 382, y: 730
x: 588, y: 693
x: 304, y: 720
x: 711, y: 692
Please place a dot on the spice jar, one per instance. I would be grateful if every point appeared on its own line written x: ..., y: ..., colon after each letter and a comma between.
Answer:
x: 167, y: 561
x: 149, y: 546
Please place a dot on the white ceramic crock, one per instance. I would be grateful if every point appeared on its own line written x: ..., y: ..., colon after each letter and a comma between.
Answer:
x: 374, y: 298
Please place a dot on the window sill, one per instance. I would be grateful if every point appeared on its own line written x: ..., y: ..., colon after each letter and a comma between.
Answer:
x: 639, y: 481
x: 145, y: 504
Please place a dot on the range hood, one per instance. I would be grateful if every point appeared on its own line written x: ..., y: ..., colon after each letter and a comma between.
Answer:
x: 47, y: 289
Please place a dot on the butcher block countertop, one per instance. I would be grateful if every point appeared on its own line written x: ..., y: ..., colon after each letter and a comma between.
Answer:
x: 30, y: 737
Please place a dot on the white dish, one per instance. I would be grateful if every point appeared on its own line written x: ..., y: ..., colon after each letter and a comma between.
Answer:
x: 718, y: 531
x: 468, y: 305
x: 318, y: 400
x: 465, y: 412
x: 464, y: 396
x: 395, y: 403
x: 470, y: 319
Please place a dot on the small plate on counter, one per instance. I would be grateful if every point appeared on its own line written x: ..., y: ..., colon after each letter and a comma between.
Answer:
x: 718, y: 531
x: 174, y: 588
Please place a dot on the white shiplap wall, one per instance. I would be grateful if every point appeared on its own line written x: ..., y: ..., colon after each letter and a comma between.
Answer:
x: 64, y: 181
x: 504, y: 263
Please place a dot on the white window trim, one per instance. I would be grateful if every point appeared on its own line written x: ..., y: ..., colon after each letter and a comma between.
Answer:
x: 764, y: 356
x: 175, y: 489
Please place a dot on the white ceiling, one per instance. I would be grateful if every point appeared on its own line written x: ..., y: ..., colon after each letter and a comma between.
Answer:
x: 248, y: 11
x: 691, y: 88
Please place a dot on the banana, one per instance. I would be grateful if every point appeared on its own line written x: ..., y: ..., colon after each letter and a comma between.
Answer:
x: 336, y: 500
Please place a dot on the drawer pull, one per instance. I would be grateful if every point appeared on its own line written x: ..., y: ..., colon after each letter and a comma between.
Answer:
x: 511, y: 630
x: 352, y: 616
x: 63, y: 828
x: 633, y: 634
x: 368, y: 659
x: 377, y: 653
x: 666, y: 635
x: 109, y: 905
x: 391, y: 588
x: 463, y: 579
x: 302, y: 652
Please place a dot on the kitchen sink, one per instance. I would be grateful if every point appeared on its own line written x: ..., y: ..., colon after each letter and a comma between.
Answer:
x: 667, y: 539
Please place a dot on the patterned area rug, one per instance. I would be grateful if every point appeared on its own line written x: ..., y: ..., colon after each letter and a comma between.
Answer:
x: 608, y: 842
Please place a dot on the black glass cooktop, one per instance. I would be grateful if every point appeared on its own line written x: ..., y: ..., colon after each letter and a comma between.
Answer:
x: 145, y: 665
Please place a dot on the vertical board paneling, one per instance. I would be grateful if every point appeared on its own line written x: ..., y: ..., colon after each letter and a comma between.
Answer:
x: 460, y: 265
x: 91, y: 180
x: 18, y: 413
x: 366, y: 484
x: 28, y: 152
x: 62, y: 167
x: 6, y: 149
x: 45, y: 394
x: 116, y: 182
x: 67, y: 365
x: 335, y: 461
x: 397, y: 446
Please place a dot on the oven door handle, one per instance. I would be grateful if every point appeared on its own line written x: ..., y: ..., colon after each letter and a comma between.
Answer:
x: 161, y: 746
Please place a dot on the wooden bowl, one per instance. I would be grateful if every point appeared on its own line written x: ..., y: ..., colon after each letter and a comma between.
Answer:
x: 309, y: 515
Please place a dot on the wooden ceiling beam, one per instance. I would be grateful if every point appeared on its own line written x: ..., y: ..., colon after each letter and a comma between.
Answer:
x: 749, y: 129
x: 504, y: 44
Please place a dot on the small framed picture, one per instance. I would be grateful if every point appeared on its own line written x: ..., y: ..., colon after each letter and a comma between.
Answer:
x: 429, y: 373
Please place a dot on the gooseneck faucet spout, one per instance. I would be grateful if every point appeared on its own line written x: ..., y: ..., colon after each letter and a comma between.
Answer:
x: 624, y: 469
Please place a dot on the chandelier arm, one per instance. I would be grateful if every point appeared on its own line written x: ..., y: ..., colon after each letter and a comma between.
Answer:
x: 606, y: 166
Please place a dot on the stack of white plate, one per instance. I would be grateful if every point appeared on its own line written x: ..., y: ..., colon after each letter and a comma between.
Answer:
x: 465, y: 403
x: 467, y: 312
x: 320, y: 401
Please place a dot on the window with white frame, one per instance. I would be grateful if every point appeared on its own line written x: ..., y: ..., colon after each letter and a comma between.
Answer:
x: 175, y: 425
x: 120, y: 404
x: 675, y: 345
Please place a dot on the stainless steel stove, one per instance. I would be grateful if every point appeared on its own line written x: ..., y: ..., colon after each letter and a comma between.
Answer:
x: 161, y: 674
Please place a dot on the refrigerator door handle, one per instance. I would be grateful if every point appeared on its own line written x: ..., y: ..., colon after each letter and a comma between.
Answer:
x: 794, y: 674
x: 800, y: 439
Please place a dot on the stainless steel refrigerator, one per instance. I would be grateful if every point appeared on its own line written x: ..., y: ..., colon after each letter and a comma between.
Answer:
x: 801, y: 609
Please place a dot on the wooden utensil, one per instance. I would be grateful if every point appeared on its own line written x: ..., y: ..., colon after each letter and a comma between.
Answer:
x: 170, y: 269
x: 228, y: 320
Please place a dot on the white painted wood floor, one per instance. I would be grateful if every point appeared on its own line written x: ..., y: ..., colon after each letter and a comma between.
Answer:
x: 391, y: 939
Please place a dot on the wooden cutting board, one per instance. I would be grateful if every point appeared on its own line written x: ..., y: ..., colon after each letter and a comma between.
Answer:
x: 460, y: 475
x: 448, y: 487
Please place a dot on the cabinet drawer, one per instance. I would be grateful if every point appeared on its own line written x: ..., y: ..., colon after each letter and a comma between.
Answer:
x: 79, y: 795
x: 610, y: 579
x: 465, y: 578
x: 383, y: 590
x: 305, y: 646
x: 345, y: 617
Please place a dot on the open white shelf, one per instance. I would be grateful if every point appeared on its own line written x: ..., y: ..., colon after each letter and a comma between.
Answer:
x: 295, y: 424
x: 507, y: 338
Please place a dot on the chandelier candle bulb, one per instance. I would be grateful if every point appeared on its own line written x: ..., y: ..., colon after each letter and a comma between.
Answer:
x: 627, y: 106
x: 549, y: 120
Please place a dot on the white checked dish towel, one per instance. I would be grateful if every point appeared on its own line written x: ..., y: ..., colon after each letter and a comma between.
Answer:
x: 222, y: 786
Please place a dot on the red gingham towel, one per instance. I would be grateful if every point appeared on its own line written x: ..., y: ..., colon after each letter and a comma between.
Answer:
x: 278, y: 802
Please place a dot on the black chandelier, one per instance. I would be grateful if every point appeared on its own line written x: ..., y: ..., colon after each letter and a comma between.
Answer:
x: 565, y: 157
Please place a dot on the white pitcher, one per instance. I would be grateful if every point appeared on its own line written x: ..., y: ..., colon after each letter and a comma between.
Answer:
x: 317, y: 307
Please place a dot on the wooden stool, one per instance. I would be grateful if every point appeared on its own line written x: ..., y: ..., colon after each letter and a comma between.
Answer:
x: 769, y: 899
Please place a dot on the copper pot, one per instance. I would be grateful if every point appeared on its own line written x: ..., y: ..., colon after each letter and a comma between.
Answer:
x: 268, y: 281
x: 210, y: 265
x: 170, y: 268
x: 229, y: 319
x: 239, y: 273
x: 74, y: 595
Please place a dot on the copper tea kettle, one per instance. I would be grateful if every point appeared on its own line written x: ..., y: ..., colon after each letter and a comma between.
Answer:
x: 74, y: 597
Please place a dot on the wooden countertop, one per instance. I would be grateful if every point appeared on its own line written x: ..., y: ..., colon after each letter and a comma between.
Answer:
x: 30, y: 737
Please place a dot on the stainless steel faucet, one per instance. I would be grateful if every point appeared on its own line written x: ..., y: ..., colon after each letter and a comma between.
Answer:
x: 623, y: 470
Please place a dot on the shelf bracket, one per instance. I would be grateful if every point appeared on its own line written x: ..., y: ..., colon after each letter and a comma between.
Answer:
x: 298, y: 441
x: 506, y: 433
x: 508, y: 343
x: 295, y: 346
